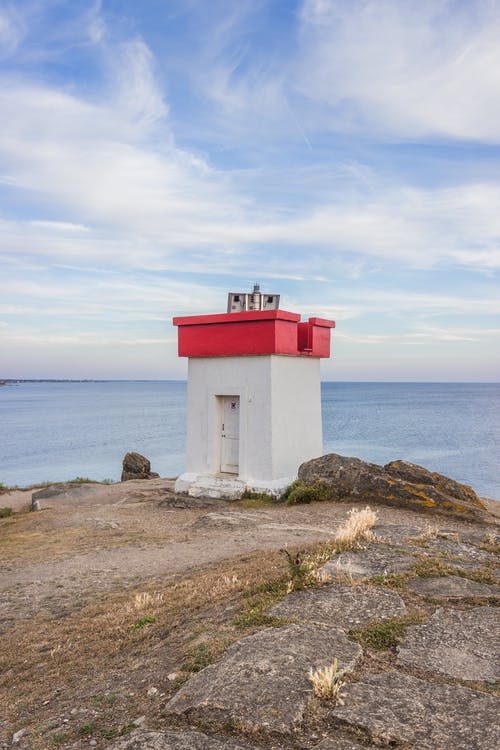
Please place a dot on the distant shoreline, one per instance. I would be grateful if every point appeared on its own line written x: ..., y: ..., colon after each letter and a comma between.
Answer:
x: 11, y: 381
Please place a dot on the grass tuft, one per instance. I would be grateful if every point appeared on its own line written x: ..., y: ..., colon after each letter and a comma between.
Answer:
x: 491, y: 543
x: 251, y: 499
x: 298, y: 493
x: 5, y: 512
x: 358, y: 526
x: 327, y: 682
x: 382, y: 635
x: 430, y: 567
x: 143, y: 622
x: 199, y: 658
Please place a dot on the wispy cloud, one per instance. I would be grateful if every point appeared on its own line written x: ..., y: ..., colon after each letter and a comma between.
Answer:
x: 140, y: 180
x: 405, y: 69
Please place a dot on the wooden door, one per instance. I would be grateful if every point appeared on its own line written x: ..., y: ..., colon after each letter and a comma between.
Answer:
x: 230, y: 436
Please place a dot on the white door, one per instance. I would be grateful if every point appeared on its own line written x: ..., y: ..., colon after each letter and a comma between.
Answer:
x: 230, y: 437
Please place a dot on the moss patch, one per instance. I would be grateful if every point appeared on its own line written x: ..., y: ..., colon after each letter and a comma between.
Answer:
x: 384, y: 634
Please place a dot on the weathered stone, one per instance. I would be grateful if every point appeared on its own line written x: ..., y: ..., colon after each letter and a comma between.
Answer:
x: 351, y: 478
x: 136, y: 466
x: 462, y: 644
x: 374, y: 561
x: 17, y: 736
x: 393, y: 709
x: 341, y: 744
x: 66, y: 491
x: 451, y: 548
x: 394, y: 533
x: 172, y: 740
x: 216, y: 520
x: 419, y: 475
x: 341, y: 606
x: 340, y: 473
x: 262, y: 682
x: 453, y: 587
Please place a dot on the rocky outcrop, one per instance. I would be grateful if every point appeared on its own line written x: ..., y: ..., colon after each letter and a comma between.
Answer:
x: 259, y: 696
x: 340, y: 606
x: 136, y: 466
x: 398, y: 483
x: 396, y: 710
x: 460, y: 644
x: 262, y: 683
x: 144, y: 740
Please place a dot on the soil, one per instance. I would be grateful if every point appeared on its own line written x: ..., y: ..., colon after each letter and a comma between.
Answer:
x: 111, y: 598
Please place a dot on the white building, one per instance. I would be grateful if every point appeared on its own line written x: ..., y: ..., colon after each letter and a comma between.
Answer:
x: 253, y: 400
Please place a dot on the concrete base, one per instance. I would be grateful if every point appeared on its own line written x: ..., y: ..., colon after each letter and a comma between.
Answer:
x: 227, y: 486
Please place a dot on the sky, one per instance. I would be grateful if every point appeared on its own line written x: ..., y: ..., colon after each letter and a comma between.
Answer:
x: 154, y: 156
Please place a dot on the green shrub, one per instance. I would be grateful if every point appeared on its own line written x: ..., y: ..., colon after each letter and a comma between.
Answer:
x: 198, y: 659
x: 87, y: 729
x: 143, y: 622
x: 381, y: 635
x: 298, y: 493
x: 5, y: 512
x: 258, y: 499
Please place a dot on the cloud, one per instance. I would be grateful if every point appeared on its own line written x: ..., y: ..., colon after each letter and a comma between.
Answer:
x: 408, y: 69
x: 12, y: 30
x: 105, y: 166
x: 82, y: 339
x: 422, y: 336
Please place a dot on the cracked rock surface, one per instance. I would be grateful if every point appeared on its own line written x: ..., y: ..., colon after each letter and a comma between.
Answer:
x: 453, y: 587
x: 394, y: 709
x: 461, y: 644
x: 262, y: 682
x: 341, y: 606
x: 169, y: 740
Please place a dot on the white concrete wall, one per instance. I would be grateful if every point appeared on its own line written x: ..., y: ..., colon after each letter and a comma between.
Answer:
x: 296, y: 412
x: 280, y: 413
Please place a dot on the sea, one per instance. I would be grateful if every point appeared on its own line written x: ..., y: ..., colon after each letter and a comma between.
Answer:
x: 56, y: 431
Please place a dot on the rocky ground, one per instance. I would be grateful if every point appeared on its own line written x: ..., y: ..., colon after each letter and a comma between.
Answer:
x: 132, y: 618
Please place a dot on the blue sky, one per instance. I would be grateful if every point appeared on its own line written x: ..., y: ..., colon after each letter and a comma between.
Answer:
x: 156, y: 155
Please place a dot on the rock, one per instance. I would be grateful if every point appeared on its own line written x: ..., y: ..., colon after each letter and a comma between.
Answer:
x: 17, y: 736
x: 172, y: 740
x: 262, y: 682
x: 340, y: 606
x: 334, y: 743
x: 139, y: 721
x: 152, y: 691
x: 393, y: 709
x: 419, y: 475
x: 453, y: 587
x: 451, y: 548
x: 457, y: 643
x: 399, y: 484
x: 374, y: 561
x: 233, y: 519
x: 66, y: 491
x: 136, y: 466
x: 395, y: 533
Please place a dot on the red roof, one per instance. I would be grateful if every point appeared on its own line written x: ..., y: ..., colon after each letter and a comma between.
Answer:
x: 253, y: 332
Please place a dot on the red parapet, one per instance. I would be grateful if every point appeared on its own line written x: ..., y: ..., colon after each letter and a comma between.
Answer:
x: 253, y: 333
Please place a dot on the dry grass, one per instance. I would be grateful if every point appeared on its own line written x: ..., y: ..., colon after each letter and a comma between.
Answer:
x: 104, y: 656
x: 327, y: 682
x: 356, y: 527
x: 431, y: 531
x: 29, y: 542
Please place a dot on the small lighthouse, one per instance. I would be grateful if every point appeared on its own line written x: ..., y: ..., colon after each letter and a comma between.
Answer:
x: 253, y: 396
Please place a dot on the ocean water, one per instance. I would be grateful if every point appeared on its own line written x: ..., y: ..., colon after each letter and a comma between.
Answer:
x: 57, y: 431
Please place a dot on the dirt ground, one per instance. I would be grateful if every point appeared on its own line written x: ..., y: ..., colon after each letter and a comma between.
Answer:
x: 110, y: 599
